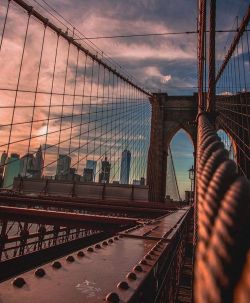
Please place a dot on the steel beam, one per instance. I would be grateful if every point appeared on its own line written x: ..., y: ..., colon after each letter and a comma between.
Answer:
x: 138, y: 209
x: 64, y: 218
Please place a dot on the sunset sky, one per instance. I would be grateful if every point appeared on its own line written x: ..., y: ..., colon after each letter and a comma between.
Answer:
x: 160, y: 63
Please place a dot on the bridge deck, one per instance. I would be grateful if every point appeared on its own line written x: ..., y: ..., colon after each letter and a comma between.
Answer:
x: 91, y: 277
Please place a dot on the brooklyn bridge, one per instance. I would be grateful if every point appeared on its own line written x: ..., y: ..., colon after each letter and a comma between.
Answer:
x: 101, y: 199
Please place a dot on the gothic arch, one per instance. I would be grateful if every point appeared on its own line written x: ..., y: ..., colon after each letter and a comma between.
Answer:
x: 169, y: 114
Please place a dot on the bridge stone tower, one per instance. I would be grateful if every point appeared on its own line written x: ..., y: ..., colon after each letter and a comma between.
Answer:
x: 169, y: 114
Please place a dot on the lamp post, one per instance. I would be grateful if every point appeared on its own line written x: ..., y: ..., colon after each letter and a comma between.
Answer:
x: 191, y: 177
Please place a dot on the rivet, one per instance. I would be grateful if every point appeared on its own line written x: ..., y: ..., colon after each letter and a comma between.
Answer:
x: 80, y: 253
x: 138, y: 268
x: 131, y: 276
x: 110, y: 241
x: 112, y: 298
x: 123, y: 285
x: 56, y: 265
x: 143, y: 262
x: 70, y: 259
x: 105, y: 243
x: 98, y: 246
x: 90, y: 249
x: 40, y: 272
x: 19, y: 282
x: 116, y: 238
x: 121, y: 236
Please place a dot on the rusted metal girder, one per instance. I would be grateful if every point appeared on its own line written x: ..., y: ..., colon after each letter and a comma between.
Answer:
x: 234, y: 44
x: 141, y: 265
x: 135, y: 209
x: 64, y: 218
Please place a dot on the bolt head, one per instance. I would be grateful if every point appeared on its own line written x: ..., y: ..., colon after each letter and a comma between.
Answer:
x: 70, y: 259
x: 131, y: 276
x: 19, y: 282
x: 112, y: 298
x: 143, y: 262
x: 56, y: 265
x: 80, y: 253
x: 40, y: 272
x: 138, y: 268
x: 123, y: 285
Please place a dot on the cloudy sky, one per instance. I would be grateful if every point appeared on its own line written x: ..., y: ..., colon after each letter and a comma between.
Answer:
x: 160, y: 63
x: 167, y: 63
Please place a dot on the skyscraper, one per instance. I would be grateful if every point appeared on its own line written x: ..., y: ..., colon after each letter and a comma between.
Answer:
x: 38, y: 163
x: 88, y: 175
x: 63, y: 166
x: 91, y: 164
x: 105, y: 171
x: 12, y: 170
x: 125, y: 167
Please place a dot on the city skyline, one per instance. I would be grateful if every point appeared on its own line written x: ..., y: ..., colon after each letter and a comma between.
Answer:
x: 30, y: 166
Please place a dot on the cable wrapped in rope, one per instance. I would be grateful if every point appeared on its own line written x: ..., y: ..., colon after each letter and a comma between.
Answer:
x: 223, y: 223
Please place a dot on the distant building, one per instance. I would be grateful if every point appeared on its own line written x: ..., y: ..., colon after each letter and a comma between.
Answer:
x: 105, y: 171
x: 142, y: 181
x: 125, y: 167
x: 139, y: 182
x: 136, y: 182
x: 12, y: 170
x: 91, y: 164
x: 38, y: 164
x: 72, y: 175
x: 27, y: 166
x: 63, y: 167
x: 2, y: 166
x: 88, y: 175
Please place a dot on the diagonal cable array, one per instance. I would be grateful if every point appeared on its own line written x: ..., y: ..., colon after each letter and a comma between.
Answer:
x: 67, y: 111
x: 233, y: 97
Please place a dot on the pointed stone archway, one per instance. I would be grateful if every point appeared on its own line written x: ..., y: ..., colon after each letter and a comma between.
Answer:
x: 169, y: 114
